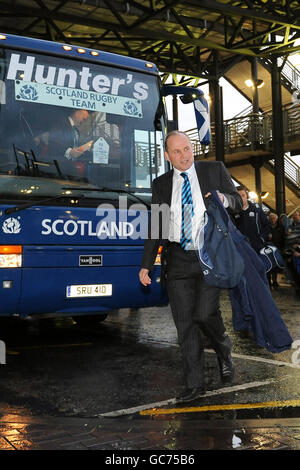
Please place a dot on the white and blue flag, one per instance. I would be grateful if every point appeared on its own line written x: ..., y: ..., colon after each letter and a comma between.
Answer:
x: 201, y: 108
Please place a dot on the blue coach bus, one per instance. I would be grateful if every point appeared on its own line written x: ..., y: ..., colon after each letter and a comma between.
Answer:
x: 81, y: 141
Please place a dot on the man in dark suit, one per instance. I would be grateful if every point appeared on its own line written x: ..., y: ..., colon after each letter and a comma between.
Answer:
x: 64, y: 137
x: 194, y: 304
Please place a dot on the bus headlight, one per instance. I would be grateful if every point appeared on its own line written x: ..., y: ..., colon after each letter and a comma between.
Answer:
x: 10, y: 256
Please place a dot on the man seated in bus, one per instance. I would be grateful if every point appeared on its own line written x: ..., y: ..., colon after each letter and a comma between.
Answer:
x: 65, y: 136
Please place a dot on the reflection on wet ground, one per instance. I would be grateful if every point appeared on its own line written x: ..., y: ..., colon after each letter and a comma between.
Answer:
x: 61, y: 382
x: 158, y: 433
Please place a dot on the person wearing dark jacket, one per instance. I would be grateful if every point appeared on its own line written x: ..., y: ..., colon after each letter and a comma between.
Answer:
x: 195, y: 304
x: 64, y: 137
x: 252, y: 221
x: 277, y: 238
x: 253, y: 307
x: 292, y: 249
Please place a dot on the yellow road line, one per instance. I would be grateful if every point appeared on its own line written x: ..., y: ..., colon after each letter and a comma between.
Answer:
x: 232, y: 406
x: 45, y: 346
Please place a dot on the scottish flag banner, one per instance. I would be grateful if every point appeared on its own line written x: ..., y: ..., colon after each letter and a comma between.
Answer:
x: 201, y: 108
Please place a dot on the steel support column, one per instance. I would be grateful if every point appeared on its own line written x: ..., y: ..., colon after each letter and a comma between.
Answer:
x: 278, y: 142
x: 254, y: 78
x: 257, y: 162
x: 255, y: 127
x: 217, y: 111
x: 255, y: 106
x: 175, y: 111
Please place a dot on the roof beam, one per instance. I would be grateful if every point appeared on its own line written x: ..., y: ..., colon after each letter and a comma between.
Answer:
x: 254, y: 14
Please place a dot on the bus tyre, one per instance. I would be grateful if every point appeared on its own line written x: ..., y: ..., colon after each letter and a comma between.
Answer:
x: 89, y: 320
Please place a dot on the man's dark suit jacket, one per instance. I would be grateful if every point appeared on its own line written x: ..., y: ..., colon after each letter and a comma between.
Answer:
x: 60, y: 139
x: 211, y: 176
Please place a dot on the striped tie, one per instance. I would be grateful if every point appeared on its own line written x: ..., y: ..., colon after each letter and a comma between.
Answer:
x: 187, y: 212
x: 75, y: 133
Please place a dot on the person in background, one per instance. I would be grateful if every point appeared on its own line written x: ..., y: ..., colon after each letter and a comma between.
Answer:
x: 252, y: 221
x: 64, y: 137
x: 285, y: 222
x: 195, y: 305
x: 277, y: 238
x: 292, y: 249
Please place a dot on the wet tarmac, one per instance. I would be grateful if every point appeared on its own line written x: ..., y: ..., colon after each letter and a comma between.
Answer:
x: 112, y: 387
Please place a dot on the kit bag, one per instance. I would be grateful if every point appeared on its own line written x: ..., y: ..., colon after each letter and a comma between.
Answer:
x: 271, y: 257
x: 220, y: 261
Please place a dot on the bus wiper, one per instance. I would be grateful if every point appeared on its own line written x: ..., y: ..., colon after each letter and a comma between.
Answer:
x: 32, y: 166
x: 113, y: 190
x: 21, y: 207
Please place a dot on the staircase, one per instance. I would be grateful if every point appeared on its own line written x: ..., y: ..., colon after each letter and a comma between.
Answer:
x: 251, y: 135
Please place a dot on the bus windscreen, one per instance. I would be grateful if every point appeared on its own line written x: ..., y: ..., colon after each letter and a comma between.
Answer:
x: 77, y: 122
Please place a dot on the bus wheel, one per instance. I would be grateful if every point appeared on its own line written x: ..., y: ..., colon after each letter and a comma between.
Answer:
x: 89, y: 320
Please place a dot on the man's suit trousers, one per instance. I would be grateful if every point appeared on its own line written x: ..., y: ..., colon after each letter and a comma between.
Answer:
x: 195, y: 309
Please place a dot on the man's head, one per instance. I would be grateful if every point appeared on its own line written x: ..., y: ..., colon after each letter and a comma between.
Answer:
x: 296, y: 216
x: 243, y: 192
x: 179, y: 150
x: 273, y: 218
x: 79, y: 115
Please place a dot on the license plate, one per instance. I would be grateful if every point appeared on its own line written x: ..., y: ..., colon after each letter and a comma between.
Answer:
x: 89, y: 290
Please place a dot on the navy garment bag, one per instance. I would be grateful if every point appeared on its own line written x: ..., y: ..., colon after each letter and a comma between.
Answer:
x: 220, y: 261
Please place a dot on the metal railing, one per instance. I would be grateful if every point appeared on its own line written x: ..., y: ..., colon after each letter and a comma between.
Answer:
x: 291, y: 169
x: 290, y: 75
x: 290, y: 72
x: 252, y: 132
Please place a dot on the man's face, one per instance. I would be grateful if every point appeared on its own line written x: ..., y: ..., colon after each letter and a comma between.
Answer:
x: 244, y: 196
x: 296, y: 216
x: 180, y: 152
x: 80, y: 115
x: 273, y: 218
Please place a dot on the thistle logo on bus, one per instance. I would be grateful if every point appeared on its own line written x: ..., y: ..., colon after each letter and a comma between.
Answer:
x: 27, y: 92
x: 11, y: 225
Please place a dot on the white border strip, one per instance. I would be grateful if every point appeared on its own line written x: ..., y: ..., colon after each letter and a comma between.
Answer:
x: 172, y: 401
x: 240, y: 356
x: 261, y: 359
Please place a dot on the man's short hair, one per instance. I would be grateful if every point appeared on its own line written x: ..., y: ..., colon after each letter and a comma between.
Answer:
x: 242, y: 188
x: 174, y: 133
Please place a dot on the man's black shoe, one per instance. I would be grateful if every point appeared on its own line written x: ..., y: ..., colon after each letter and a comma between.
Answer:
x: 226, y: 370
x: 190, y: 394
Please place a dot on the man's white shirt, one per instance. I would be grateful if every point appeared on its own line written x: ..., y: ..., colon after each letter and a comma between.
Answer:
x: 175, y: 212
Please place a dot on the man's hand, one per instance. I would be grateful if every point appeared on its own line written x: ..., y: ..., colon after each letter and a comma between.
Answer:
x: 144, y: 277
x: 221, y: 196
x: 76, y: 153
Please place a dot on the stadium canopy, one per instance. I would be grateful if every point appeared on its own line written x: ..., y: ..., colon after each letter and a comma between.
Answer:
x: 183, y: 37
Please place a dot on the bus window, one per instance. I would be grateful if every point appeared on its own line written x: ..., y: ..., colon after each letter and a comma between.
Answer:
x: 76, y: 135
x: 80, y: 122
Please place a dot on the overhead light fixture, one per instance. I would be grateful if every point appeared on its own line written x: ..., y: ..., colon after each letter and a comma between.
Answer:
x: 252, y: 195
x: 190, y: 96
x: 258, y: 83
